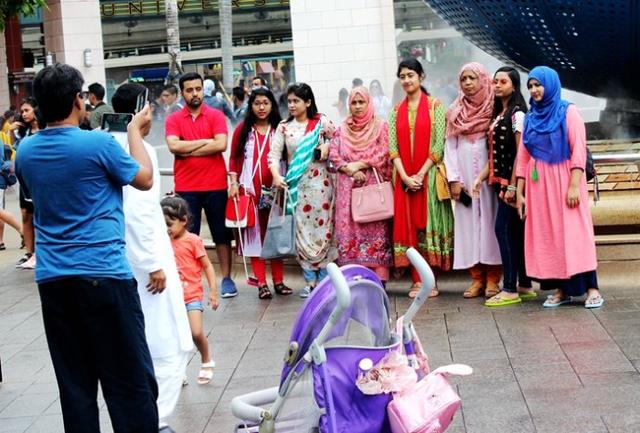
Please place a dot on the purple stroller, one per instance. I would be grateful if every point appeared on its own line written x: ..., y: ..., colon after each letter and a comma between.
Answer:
x: 345, y: 320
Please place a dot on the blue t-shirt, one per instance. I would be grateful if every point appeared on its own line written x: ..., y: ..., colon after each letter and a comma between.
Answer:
x: 75, y: 179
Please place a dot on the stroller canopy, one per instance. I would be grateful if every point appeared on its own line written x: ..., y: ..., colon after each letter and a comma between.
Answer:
x: 365, y: 323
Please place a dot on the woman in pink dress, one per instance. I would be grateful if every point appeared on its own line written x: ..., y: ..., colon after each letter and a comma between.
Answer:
x: 360, y: 145
x: 552, y: 195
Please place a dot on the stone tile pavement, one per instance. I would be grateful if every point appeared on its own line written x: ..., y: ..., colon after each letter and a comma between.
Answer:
x: 568, y: 370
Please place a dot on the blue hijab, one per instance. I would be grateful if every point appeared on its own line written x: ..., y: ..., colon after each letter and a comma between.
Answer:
x: 545, y: 127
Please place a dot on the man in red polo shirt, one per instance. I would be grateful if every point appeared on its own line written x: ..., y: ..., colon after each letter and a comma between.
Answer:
x: 197, y: 136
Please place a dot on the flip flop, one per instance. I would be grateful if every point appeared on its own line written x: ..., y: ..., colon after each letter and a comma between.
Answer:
x: 498, y: 301
x: 594, y: 302
x: 554, y: 302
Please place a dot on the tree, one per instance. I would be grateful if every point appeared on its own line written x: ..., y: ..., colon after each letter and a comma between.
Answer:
x: 10, y: 8
x: 173, y: 40
x: 226, y: 42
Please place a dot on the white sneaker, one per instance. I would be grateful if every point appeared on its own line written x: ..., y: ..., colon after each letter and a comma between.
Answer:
x: 305, y: 291
x: 29, y: 264
x: 23, y: 260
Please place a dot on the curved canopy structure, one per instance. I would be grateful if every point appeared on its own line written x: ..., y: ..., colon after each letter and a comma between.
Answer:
x: 593, y: 44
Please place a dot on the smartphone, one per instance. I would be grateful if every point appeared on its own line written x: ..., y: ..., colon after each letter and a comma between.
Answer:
x: 465, y: 198
x: 317, y: 154
x: 115, y: 122
x: 142, y: 99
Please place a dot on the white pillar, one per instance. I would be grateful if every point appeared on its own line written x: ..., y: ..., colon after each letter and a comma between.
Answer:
x: 335, y: 41
x: 70, y: 28
x: 4, y: 79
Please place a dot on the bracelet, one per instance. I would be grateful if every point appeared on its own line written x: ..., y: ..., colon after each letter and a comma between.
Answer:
x: 511, y: 188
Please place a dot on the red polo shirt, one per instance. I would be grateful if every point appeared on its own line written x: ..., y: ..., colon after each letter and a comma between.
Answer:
x: 198, y: 173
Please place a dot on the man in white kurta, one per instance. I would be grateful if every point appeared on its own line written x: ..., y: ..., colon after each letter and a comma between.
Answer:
x: 151, y: 258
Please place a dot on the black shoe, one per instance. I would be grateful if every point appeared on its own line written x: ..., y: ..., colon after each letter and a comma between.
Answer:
x: 166, y: 429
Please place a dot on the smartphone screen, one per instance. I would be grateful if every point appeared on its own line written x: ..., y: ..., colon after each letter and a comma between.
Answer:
x: 142, y: 99
x: 115, y: 122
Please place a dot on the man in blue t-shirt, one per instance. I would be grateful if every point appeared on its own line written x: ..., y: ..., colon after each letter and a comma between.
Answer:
x: 90, y: 305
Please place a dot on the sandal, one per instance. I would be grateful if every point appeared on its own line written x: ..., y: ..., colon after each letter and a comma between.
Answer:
x: 594, y: 301
x: 281, y: 289
x: 476, y: 289
x: 414, y: 290
x: 264, y: 292
x: 206, y: 373
x: 499, y: 301
x: 434, y: 292
x: 556, y: 300
x: 2, y: 247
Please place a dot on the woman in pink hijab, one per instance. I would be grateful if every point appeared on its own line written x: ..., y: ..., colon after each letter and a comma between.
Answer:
x: 475, y: 244
x: 360, y: 146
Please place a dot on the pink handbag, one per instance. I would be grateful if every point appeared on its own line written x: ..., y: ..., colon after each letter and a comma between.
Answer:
x: 427, y: 406
x: 372, y: 202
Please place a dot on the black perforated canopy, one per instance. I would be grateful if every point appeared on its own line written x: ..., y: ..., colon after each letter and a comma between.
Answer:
x: 593, y: 44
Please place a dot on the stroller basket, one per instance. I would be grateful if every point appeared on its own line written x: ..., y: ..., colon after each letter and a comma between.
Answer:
x: 345, y: 320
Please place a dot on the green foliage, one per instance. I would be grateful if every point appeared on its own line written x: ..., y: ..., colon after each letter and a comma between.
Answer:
x: 9, y: 8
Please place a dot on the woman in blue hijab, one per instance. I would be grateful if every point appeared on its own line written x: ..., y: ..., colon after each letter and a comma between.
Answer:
x: 552, y: 195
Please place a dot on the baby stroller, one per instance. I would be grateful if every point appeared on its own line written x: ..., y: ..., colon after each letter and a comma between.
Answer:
x: 345, y: 320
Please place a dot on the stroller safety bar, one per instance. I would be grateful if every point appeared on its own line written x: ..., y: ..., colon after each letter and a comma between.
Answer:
x: 247, y: 407
x: 343, y: 297
x: 428, y: 282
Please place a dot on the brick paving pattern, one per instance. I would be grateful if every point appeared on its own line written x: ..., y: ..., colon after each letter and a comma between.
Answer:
x: 568, y: 370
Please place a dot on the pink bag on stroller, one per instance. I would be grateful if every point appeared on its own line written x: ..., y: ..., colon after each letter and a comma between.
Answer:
x: 429, y: 405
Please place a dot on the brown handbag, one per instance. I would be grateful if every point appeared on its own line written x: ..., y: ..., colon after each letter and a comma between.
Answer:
x: 442, y: 184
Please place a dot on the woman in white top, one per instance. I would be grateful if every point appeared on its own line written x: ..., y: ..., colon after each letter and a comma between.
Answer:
x: 468, y: 119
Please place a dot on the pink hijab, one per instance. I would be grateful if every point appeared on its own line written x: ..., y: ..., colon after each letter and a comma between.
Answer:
x: 471, y: 115
x: 360, y: 131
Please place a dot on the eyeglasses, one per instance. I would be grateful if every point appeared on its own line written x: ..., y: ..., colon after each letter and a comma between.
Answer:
x: 502, y: 81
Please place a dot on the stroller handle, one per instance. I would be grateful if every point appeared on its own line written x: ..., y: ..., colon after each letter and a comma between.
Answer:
x: 343, y: 296
x: 428, y: 282
x: 247, y: 407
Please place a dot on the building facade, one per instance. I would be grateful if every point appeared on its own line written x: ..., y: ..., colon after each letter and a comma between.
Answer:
x: 326, y: 43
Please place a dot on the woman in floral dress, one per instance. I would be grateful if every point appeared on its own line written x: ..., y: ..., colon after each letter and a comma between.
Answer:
x: 360, y: 145
x: 305, y: 137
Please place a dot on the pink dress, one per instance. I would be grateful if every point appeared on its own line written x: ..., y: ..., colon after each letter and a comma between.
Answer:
x: 363, y: 244
x: 558, y: 241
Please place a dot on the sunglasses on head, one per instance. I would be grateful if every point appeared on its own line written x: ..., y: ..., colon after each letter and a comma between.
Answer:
x: 502, y: 81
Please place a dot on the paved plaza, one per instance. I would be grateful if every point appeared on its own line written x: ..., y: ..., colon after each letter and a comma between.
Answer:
x: 568, y: 370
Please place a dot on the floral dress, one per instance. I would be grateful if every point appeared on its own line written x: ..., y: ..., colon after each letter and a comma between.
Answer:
x: 314, y: 212
x: 367, y: 244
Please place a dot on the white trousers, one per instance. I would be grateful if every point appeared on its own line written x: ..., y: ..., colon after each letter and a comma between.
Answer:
x: 170, y: 373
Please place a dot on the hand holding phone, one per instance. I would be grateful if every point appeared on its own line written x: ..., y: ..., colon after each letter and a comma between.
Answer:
x: 142, y: 118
